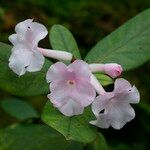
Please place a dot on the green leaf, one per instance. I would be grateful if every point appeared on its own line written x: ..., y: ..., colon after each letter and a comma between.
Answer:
x: 103, y: 79
x: 129, y: 45
x: 30, y: 84
x: 144, y: 106
x: 34, y: 137
x: 98, y: 144
x: 19, y: 109
x: 123, y: 146
x: 73, y: 128
x: 62, y: 39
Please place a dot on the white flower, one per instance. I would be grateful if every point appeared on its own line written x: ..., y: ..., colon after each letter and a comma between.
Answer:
x: 26, y: 55
x: 113, y: 108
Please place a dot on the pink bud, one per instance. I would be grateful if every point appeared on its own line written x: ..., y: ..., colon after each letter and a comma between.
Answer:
x: 112, y: 69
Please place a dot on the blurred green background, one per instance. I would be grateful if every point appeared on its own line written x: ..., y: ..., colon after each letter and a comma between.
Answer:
x: 89, y: 21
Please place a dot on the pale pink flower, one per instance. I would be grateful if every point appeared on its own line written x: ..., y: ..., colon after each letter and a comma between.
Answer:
x: 26, y: 55
x: 113, y: 108
x: 112, y: 69
x: 70, y: 87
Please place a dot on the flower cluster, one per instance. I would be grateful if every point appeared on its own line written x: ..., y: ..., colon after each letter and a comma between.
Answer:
x: 73, y: 87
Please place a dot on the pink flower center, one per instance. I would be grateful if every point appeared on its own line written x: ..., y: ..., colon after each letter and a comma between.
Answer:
x: 71, y: 82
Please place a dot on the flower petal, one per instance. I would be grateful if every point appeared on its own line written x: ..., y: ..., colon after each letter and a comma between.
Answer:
x: 56, y: 72
x: 130, y: 96
x: 116, y: 115
x: 37, y: 61
x: 39, y: 31
x: 16, y: 39
x: 31, y: 32
x: 22, y: 27
x: 83, y: 93
x: 71, y: 108
x: 20, y: 59
x: 13, y: 39
x: 124, y: 92
x: 101, y: 103
x: 119, y: 114
x: 134, y: 96
x: 57, y: 102
x: 101, y: 122
x: 59, y: 93
x: 121, y: 85
x: 81, y: 69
